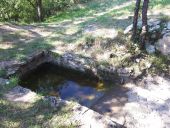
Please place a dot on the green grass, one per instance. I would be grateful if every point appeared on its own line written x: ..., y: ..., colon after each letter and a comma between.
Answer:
x: 68, y: 15
x: 110, y: 19
x: 159, y: 3
x: 36, y: 115
x: 89, y: 9
x: 93, y: 7
x: 160, y: 64
x: 20, y: 50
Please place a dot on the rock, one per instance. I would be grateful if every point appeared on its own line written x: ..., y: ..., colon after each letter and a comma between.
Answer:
x: 3, y: 81
x: 150, y: 49
x: 137, y: 60
x: 124, y: 72
x: 128, y: 29
x: 71, y: 61
x: 10, y: 66
x: 163, y: 45
x: 34, y: 61
x: 154, y: 22
x: 168, y: 25
x: 88, y: 118
x: 107, y: 73
x: 154, y: 28
x: 20, y: 94
x: 164, y: 31
x: 56, y: 102
x: 153, y: 36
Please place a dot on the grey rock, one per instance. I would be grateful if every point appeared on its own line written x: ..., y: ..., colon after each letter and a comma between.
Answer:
x: 3, y: 81
x: 20, y: 90
x: 137, y: 60
x: 124, y: 72
x: 153, y: 28
x: 150, y: 49
x: 154, y: 22
x: 128, y: 29
x: 163, y: 45
x: 88, y: 118
x: 55, y: 102
x: 20, y: 94
x: 153, y: 36
x: 168, y: 25
x: 164, y: 31
x: 70, y: 61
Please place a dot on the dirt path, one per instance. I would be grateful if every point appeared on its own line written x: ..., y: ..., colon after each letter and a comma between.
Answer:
x: 143, y: 105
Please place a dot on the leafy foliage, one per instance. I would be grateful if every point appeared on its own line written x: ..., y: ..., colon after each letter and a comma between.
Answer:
x: 25, y: 10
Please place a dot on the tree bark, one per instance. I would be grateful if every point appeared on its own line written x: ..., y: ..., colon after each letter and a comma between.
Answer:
x: 39, y: 10
x: 135, y: 19
x: 144, y: 34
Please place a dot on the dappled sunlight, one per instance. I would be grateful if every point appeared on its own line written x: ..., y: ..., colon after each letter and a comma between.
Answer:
x: 150, y: 101
x: 8, y: 122
x: 72, y: 30
x: 37, y: 114
x: 100, y: 32
x: 6, y: 46
x: 128, y: 3
x: 145, y: 103
x: 18, y: 95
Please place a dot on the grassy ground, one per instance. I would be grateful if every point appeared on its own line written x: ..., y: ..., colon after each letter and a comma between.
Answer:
x: 67, y: 28
x: 64, y: 32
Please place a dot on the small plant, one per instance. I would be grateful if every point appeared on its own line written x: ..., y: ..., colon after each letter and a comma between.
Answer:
x: 90, y: 40
x: 21, y: 57
x: 13, y: 81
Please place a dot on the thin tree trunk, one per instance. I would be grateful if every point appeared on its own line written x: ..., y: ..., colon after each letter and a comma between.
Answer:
x: 144, y: 34
x: 135, y: 19
x: 39, y: 10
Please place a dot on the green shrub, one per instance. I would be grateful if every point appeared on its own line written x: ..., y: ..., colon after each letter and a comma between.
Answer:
x: 13, y: 81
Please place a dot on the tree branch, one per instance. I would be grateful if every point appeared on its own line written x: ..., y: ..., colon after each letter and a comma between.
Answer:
x: 31, y: 3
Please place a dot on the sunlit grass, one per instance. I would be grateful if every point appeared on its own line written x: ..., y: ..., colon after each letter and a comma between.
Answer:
x: 39, y: 114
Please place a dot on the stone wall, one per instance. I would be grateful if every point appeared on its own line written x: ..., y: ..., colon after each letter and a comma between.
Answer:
x: 73, y: 62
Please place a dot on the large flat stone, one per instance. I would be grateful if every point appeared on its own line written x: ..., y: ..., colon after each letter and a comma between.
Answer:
x: 88, y: 118
x: 163, y: 45
x: 20, y: 94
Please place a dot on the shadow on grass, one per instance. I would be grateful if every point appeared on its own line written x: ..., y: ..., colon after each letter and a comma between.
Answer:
x: 19, y: 51
x: 40, y: 114
x: 88, y: 9
x: 17, y: 44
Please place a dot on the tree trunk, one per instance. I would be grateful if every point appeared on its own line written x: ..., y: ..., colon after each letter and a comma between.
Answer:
x: 144, y: 34
x: 135, y: 19
x: 39, y: 10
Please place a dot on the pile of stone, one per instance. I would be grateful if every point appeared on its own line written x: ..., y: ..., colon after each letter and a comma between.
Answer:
x: 159, y: 36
